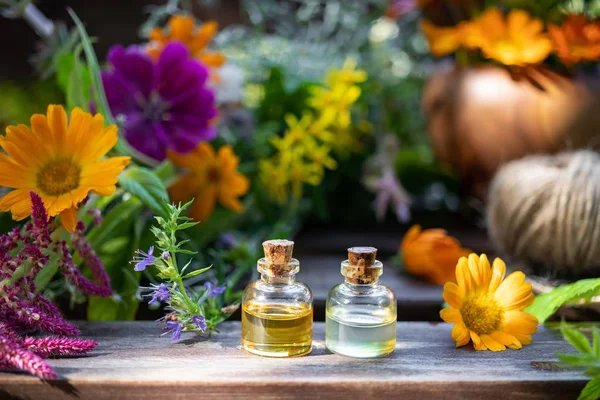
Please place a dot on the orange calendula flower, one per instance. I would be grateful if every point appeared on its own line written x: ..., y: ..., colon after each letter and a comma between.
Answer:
x: 182, y: 28
x: 431, y: 254
x: 442, y: 40
x: 576, y: 40
x: 211, y: 177
x: 516, y: 39
x: 486, y: 308
x: 60, y: 160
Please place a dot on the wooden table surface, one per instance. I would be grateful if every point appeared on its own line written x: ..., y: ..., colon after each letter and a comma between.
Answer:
x: 133, y: 362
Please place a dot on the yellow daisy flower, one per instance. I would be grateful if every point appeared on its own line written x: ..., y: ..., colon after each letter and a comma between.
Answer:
x: 211, y: 177
x: 486, y: 308
x: 60, y: 160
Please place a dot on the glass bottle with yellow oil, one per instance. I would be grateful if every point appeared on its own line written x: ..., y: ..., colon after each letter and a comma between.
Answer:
x: 277, y: 312
x: 360, y: 316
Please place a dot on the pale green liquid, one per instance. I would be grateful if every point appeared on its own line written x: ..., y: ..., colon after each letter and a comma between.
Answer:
x: 360, y: 335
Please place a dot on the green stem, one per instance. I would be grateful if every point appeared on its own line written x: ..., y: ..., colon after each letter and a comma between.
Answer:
x: 179, y: 280
x: 20, y: 272
x: 188, y: 301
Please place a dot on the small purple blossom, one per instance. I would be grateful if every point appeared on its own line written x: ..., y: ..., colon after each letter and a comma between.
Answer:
x: 166, y: 255
x: 175, y: 328
x: 225, y: 241
x: 199, y: 321
x: 161, y: 292
x: 213, y: 290
x: 164, y: 105
x: 143, y: 260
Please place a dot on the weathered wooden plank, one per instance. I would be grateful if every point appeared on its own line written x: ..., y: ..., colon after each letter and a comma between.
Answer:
x: 134, y: 362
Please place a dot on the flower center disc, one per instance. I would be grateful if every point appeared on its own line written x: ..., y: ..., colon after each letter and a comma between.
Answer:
x: 58, y: 177
x: 481, y: 313
x: 213, y: 175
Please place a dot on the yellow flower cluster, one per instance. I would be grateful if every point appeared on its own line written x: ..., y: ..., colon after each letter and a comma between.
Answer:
x: 304, y: 150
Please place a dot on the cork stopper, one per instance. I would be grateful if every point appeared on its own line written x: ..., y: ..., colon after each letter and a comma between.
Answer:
x: 362, y: 267
x: 362, y: 256
x: 278, y: 259
x: 278, y: 251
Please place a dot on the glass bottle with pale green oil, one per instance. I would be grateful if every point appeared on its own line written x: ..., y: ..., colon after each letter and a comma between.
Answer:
x: 361, y: 312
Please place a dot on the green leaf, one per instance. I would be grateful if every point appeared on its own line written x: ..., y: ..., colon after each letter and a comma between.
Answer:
x: 94, y: 68
x: 112, y: 222
x: 596, y: 341
x: 197, y: 272
x: 591, y: 391
x: 187, y: 225
x: 576, y: 339
x: 63, y: 64
x: 146, y: 186
x: 578, y: 361
x: 79, y: 84
x: 546, y: 304
x: 116, y: 251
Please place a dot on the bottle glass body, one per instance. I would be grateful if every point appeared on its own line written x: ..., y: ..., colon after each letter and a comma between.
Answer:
x: 361, y: 320
x: 277, y: 316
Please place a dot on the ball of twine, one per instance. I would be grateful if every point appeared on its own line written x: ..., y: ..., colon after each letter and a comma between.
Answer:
x: 545, y: 210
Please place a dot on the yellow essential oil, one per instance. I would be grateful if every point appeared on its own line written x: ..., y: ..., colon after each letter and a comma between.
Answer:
x: 277, y: 311
x: 277, y: 330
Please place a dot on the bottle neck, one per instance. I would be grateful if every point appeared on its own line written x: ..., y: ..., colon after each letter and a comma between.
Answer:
x: 361, y: 286
x: 278, y: 280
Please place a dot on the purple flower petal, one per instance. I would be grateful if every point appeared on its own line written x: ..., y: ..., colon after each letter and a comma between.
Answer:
x: 213, y: 290
x: 165, y: 105
x: 199, y: 321
x: 143, y: 260
x: 176, y: 328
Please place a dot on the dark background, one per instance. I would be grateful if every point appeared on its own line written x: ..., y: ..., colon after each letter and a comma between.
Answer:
x: 109, y: 22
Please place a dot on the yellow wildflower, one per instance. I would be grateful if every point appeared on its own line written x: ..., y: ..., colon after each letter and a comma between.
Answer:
x: 347, y: 75
x: 210, y: 178
x: 486, y: 308
x: 182, y: 28
x: 59, y: 159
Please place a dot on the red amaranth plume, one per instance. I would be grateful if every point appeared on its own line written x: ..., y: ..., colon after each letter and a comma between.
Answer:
x: 89, y: 256
x: 12, y: 355
x: 32, y: 317
x: 72, y: 273
x: 53, y: 346
x: 39, y: 219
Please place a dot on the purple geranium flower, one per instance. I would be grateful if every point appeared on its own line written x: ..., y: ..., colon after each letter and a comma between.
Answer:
x: 176, y: 328
x: 213, y: 290
x: 199, y: 321
x: 165, y: 105
x: 143, y: 260
x: 160, y: 292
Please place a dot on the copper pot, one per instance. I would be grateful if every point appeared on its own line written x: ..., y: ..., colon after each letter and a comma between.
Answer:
x: 481, y: 117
